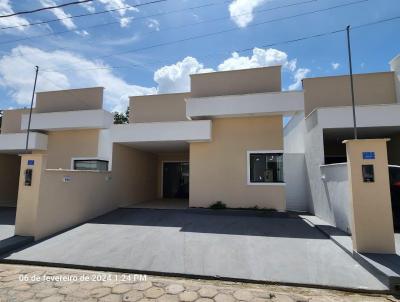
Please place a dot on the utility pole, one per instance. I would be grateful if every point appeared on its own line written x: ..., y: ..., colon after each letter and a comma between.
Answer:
x: 351, y: 82
x: 30, y: 111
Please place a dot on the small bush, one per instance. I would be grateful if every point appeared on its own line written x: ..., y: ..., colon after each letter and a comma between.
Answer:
x: 218, y: 205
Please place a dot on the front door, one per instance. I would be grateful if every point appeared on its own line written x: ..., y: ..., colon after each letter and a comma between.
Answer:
x: 176, y: 180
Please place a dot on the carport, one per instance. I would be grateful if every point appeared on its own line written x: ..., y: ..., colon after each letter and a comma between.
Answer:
x: 151, y: 162
x: 233, y: 244
x: 149, y: 175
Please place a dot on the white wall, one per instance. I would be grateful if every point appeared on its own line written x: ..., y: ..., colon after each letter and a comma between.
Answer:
x: 395, y: 66
x: 336, y: 184
x: 328, y: 198
x: 297, y: 190
x: 294, y: 134
x: 105, y: 146
x: 314, y: 159
x: 162, y: 131
x: 69, y: 120
x: 17, y: 141
x: 272, y: 103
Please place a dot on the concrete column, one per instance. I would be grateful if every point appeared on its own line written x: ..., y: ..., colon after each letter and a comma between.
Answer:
x: 28, y: 195
x: 370, y: 200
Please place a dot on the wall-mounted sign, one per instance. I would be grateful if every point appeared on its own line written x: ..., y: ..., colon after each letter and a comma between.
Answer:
x: 67, y: 178
x: 31, y: 162
x: 368, y: 155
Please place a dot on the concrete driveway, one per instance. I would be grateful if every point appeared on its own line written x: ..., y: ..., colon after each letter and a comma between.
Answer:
x: 233, y: 244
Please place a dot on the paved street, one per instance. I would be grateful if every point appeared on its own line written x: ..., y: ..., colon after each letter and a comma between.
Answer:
x: 33, y: 283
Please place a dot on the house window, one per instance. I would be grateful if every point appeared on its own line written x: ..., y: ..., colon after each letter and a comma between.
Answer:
x: 91, y: 164
x: 265, y: 167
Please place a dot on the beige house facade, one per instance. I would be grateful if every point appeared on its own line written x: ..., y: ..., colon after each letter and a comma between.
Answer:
x: 223, y: 143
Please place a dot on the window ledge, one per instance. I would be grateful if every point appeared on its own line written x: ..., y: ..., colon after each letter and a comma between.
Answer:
x: 266, y: 184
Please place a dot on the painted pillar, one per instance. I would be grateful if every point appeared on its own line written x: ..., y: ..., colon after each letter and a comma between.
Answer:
x: 32, y: 167
x: 370, y: 200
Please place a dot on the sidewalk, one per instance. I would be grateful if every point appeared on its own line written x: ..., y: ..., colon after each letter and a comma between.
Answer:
x: 45, y: 284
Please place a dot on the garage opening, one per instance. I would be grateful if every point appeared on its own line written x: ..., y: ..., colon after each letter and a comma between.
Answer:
x: 9, y: 179
x: 151, y: 175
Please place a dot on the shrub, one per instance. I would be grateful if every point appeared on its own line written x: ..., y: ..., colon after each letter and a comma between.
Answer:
x: 218, y: 205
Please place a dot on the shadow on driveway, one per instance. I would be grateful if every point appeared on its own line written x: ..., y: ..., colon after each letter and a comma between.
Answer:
x: 228, y: 222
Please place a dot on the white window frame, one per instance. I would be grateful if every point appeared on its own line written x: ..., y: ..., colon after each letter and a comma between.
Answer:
x: 73, y: 159
x: 249, y: 183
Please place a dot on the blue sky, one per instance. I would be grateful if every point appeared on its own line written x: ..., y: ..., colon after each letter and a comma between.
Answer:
x: 122, y: 54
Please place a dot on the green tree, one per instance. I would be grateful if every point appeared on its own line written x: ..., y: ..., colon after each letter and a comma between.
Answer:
x: 121, y: 118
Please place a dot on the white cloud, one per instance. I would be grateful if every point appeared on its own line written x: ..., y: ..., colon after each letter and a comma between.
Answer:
x: 123, y: 41
x: 125, y: 21
x: 6, y: 9
x: 175, y: 78
x: 89, y: 6
x: 298, y: 76
x: 153, y: 24
x: 241, y: 11
x: 60, y: 14
x: 121, y: 8
x: 335, y: 65
x: 259, y: 58
x: 70, y: 74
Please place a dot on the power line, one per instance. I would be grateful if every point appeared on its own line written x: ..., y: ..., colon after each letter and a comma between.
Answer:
x: 164, y: 13
x: 74, y: 30
x: 251, y: 48
x: 45, y: 8
x: 157, y: 14
x: 86, y: 15
x: 193, y: 37
x: 243, y: 14
x: 228, y: 30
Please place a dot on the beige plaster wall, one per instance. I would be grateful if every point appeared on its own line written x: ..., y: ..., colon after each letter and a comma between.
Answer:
x: 371, y: 209
x: 65, y: 204
x: 167, y: 157
x: 11, y: 122
x: 28, y: 196
x: 134, y: 174
x: 255, y: 80
x: 69, y: 100
x: 9, y: 178
x: 158, y: 108
x: 218, y: 170
x: 369, y: 88
x: 64, y: 145
x: 51, y: 204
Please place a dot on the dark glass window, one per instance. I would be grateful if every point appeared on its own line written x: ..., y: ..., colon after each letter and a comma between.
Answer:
x: 91, y: 164
x: 266, y: 167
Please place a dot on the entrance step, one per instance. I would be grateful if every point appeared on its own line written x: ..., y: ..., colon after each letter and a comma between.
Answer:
x: 385, y: 267
x: 13, y: 243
